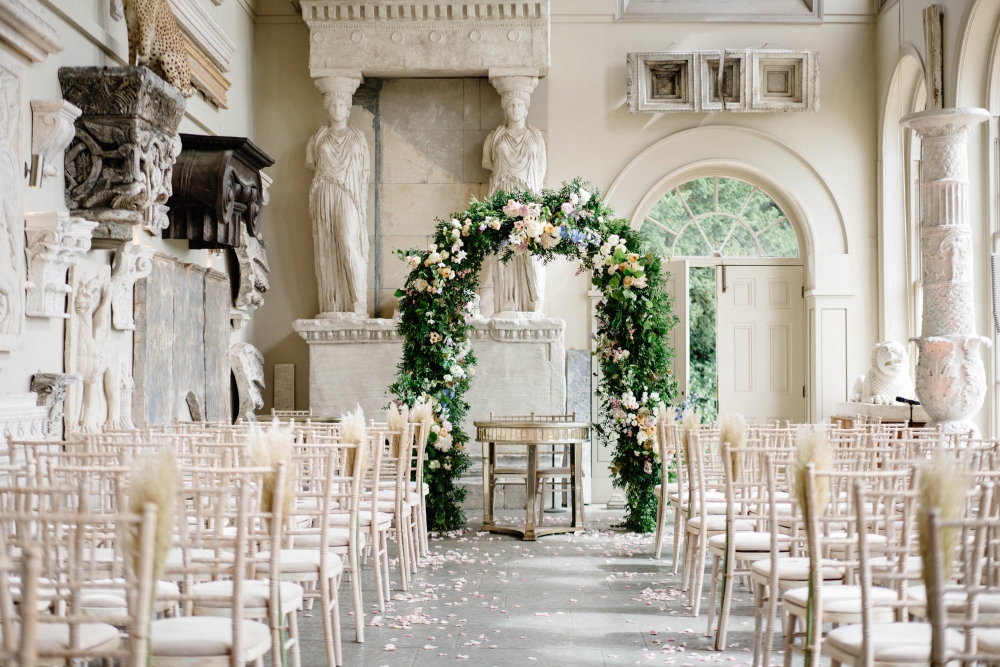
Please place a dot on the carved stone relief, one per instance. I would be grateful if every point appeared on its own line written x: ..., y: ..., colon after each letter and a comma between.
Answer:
x: 254, y: 271
x: 95, y: 402
x: 119, y: 165
x: 51, y: 390
x: 55, y: 242
x: 52, y: 128
x: 12, y: 183
x: 951, y: 379
x: 21, y: 417
x: 128, y: 387
x: 217, y: 191
x: 132, y: 262
x: 248, y: 369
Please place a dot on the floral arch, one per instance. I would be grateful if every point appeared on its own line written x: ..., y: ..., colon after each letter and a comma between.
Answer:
x: 633, y: 319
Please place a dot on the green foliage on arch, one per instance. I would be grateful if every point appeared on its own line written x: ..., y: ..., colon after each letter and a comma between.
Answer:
x: 633, y: 320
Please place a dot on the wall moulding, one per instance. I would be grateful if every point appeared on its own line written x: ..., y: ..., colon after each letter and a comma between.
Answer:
x: 753, y: 80
x: 24, y: 28
x: 388, y: 39
x: 199, y: 26
x: 693, y: 11
x: 55, y: 242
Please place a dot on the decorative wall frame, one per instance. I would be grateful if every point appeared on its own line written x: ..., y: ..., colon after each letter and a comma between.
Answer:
x: 753, y: 80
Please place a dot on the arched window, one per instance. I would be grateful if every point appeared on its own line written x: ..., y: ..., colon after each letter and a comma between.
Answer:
x: 718, y: 216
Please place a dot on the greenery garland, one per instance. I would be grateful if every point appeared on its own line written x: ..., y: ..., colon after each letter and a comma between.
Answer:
x: 633, y: 320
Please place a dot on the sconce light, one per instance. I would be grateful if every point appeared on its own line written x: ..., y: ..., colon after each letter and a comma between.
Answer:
x: 52, y: 129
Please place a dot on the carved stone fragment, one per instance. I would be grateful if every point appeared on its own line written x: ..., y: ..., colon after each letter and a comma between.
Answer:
x: 248, y: 368
x: 132, y: 262
x: 12, y: 267
x: 21, y: 417
x: 51, y: 131
x: 128, y: 386
x: 51, y: 391
x: 217, y: 191
x: 252, y: 258
x: 119, y: 165
x: 95, y: 403
x: 55, y: 242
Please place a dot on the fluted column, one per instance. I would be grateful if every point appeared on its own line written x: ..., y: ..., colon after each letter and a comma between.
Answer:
x: 951, y: 380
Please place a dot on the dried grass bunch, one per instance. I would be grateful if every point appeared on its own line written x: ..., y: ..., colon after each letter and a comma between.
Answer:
x: 812, y: 446
x: 397, y: 419
x: 690, y: 421
x: 268, y: 449
x: 352, y: 431
x: 153, y: 479
x: 942, y: 483
x: 423, y: 413
x: 733, y: 429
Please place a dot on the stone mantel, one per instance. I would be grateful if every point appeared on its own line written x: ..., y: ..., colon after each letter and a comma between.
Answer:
x: 387, y: 39
x: 521, y: 365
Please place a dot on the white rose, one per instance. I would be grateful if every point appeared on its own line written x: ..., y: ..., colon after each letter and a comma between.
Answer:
x: 584, y: 196
x: 420, y: 284
x: 534, y: 228
x: 613, y: 240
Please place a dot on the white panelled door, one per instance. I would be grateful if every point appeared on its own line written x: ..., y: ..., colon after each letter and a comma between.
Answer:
x: 760, y: 349
x: 677, y: 284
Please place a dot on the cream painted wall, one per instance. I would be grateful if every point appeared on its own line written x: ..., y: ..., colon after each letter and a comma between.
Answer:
x: 92, y: 38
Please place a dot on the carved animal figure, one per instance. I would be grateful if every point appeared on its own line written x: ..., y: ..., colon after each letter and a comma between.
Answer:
x: 97, y: 359
x: 154, y: 40
x: 888, y: 378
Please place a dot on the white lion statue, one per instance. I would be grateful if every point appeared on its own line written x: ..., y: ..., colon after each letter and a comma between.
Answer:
x: 888, y: 378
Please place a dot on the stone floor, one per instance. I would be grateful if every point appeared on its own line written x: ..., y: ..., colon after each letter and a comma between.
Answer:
x: 593, y: 599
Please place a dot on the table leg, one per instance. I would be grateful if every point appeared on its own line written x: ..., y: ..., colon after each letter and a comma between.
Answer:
x: 529, y: 488
x: 579, y: 520
x: 487, y: 484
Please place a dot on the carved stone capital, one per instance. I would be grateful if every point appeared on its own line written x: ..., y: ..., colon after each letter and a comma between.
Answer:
x: 238, y: 319
x: 119, y: 165
x: 254, y: 271
x: 132, y: 262
x: 51, y: 391
x: 55, y: 242
x: 51, y: 131
x: 217, y: 191
x: 248, y: 368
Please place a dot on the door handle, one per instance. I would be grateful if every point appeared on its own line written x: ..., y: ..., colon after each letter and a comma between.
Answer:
x: 724, y: 279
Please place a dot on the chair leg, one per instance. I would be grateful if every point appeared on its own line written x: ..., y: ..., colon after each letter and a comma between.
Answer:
x: 769, y: 627
x: 387, y: 584
x: 758, y: 623
x: 293, y: 634
x: 380, y: 586
x: 338, y: 650
x: 324, y: 597
x: 689, y: 547
x: 789, y: 639
x: 359, y: 607
x: 680, y: 538
x: 727, y: 601
x: 661, y: 511
x: 699, y: 573
x: 713, y: 587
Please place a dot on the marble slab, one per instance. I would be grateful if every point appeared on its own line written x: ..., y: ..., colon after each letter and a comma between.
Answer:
x: 887, y: 413
x: 284, y: 387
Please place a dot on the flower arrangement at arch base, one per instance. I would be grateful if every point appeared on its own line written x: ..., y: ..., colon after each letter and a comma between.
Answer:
x: 633, y: 320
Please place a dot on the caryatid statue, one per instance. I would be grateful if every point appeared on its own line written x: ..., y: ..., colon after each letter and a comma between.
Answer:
x: 338, y: 202
x: 515, y: 154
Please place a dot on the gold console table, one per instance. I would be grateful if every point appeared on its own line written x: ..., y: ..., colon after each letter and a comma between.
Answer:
x: 531, y: 433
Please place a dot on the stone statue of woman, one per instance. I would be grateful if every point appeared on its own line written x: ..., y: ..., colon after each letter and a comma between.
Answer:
x: 515, y: 153
x: 338, y: 205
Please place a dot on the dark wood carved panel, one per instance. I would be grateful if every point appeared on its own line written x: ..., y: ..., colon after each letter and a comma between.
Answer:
x: 217, y: 191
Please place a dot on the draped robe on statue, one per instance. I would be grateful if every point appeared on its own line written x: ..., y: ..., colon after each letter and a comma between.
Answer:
x: 517, y: 163
x: 338, y: 205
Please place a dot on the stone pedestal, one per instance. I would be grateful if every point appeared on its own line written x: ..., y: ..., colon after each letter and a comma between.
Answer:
x: 521, y: 369
x: 951, y: 380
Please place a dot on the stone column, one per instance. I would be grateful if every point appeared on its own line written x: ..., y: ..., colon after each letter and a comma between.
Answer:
x: 951, y: 380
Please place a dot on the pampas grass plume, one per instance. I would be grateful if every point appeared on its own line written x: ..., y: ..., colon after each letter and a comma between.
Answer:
x: 811, y: 446
x: 396, y: 418
x: 154, y: 480
x: 942, y: 483
x: 352, y: 431
x: 690, y: 421
x: 267, y: 450
x: 733, y: 429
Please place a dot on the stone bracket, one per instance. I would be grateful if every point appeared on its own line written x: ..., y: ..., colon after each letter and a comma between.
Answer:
x: 132, y: 262
x: 254, y: 271
x: 55, y: 242
x: 51, y: 391
x: 51, y: 131
x: 248, y: 368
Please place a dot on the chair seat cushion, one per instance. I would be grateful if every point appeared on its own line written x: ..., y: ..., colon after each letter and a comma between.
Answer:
x: 199, y: 559
x: 717, y: 524
x: 110, y: 594
x: 671, y: 488
x: 427, y: 488
x: 914, y: 566
x: 205, y: 636
x: 335, y: 537
x: 839, y: 599
x: 748, y: 541
x: 989, y: 602
x: 988, y: 640
x: 302, y: 561
x: 256, y: 594
x: 794, y: 569
x: 364, y: 518
x: 908, y: 643
x: 54, y: 637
